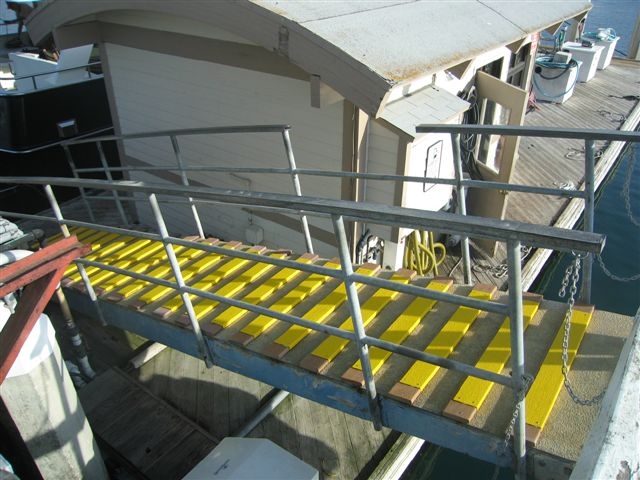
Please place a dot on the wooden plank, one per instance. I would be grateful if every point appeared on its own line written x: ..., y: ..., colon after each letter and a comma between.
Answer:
x: 284, y: 305
x: 549, y: 380
x: 162, y: 271
x: 125, y: 257
x: 421, y: 373
x: 97, y: 241
x: 332, y: 346
x: 399, y: 330
x: 206, y: 260
x: 225, y: 270
x: 106, y: 254
x: 145, y: 259
x: 474, y: 390
x: 318, y: 313
x: 265, y: 289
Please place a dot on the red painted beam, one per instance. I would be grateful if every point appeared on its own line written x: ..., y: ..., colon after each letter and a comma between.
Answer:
x: 40, y: 275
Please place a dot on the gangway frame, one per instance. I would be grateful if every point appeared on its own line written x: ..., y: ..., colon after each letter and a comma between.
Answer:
x: 382, y: 411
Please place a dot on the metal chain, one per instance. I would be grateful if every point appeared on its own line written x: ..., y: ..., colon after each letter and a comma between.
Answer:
x: 508, y: 433
x: 572, y: 274
x: 500, y: 270
x: 626, y: 189
x: 613, y: 276
x: 521, y: 394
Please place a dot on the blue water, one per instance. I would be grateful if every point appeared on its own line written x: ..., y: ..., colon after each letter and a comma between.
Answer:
x: 621, y: 254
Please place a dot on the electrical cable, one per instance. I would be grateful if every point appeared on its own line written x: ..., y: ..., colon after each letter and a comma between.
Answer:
x: 546, y: 61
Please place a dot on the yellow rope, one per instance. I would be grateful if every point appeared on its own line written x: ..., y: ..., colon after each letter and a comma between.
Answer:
x: 422, y: 254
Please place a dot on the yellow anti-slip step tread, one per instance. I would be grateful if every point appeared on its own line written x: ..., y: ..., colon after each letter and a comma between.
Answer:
x: 321, y: 310
x: 98, y: 242
x: 226, y: 270
x: 399, y: 330
x: 474, y: 391
x: 188, y: 272
x: 549, y: 380
x: 109, y: 252
x: 421, y: 373
x: 332, y: 346
x: 230, y: 289
x: 285, y: 304
x: 146, y: 259
x: 129, y: 255
x: 232, y: 314
x: 160, y: 271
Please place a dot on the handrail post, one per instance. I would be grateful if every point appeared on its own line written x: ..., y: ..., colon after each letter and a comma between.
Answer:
x: 177, y: 273
x: 356, y: 317
x: 74, y: 171
x: 296, y: 187
x: 185, y: 182
x: 81, y: 270
x: 107, y: 172
x: 517, y: 353
x: 589, y: 206
x: 462, y: 205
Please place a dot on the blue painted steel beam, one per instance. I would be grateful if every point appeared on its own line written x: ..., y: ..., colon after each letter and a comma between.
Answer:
x: 330, y: 392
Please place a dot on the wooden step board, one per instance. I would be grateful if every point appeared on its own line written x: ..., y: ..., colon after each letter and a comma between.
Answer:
x: 399, y: 331
x: 284, y: 305
x: 264, y: 290
x: 318, y: 360
x: 549, y: 380
x: 421, y: 373
x: 474, y: 391
x: 252, y: 274
x: 322, y: 309
x: 437, y: 327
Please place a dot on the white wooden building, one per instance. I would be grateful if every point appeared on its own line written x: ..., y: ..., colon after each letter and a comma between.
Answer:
x: 353, y: 79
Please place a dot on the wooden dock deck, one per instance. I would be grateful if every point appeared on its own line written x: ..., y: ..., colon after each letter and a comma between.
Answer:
x: 608, y: 101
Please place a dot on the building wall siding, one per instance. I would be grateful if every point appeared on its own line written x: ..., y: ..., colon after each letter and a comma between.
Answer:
x: 155, y: 91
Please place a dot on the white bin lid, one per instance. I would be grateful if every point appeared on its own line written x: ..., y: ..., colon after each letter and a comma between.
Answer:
x: 250, y: 459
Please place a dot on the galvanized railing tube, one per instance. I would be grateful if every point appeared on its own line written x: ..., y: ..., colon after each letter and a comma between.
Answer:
x: 296, y: 186
x: 55, y: 207
x: 74, y: 171
x: 514, y: 259
x: 107, y: 172
x: 177, y: 273
x: 356, y: 317
x: 589, y: 206
x: 185, y: 182
x: 462, y: 205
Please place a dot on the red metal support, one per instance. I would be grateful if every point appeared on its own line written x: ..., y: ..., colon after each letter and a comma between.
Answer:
x: 40, y: 275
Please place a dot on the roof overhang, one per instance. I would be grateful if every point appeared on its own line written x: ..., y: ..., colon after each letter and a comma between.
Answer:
x: 360, y: 49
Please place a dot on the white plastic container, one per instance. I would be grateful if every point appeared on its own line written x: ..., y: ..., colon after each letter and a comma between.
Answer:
x: 554, y: 85
x: 609, y: 46
x: 589, y: 56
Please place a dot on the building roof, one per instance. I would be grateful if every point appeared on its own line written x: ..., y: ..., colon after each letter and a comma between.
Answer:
x: 428, y: 105
x: 360, y: 48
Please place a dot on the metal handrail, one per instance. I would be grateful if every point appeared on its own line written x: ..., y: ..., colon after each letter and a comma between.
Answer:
x: 514, y: 233
x: 34, y: 76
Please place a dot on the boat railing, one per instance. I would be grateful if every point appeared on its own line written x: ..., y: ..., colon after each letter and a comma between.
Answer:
x: 514, y: 233
x: 586, y: 192
x: 33, y: 77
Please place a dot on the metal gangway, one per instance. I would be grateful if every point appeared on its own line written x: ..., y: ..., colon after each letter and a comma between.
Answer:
x: 365, y: 402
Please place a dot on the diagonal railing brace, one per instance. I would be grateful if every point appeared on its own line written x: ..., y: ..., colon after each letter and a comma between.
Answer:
x: 40, y: 275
